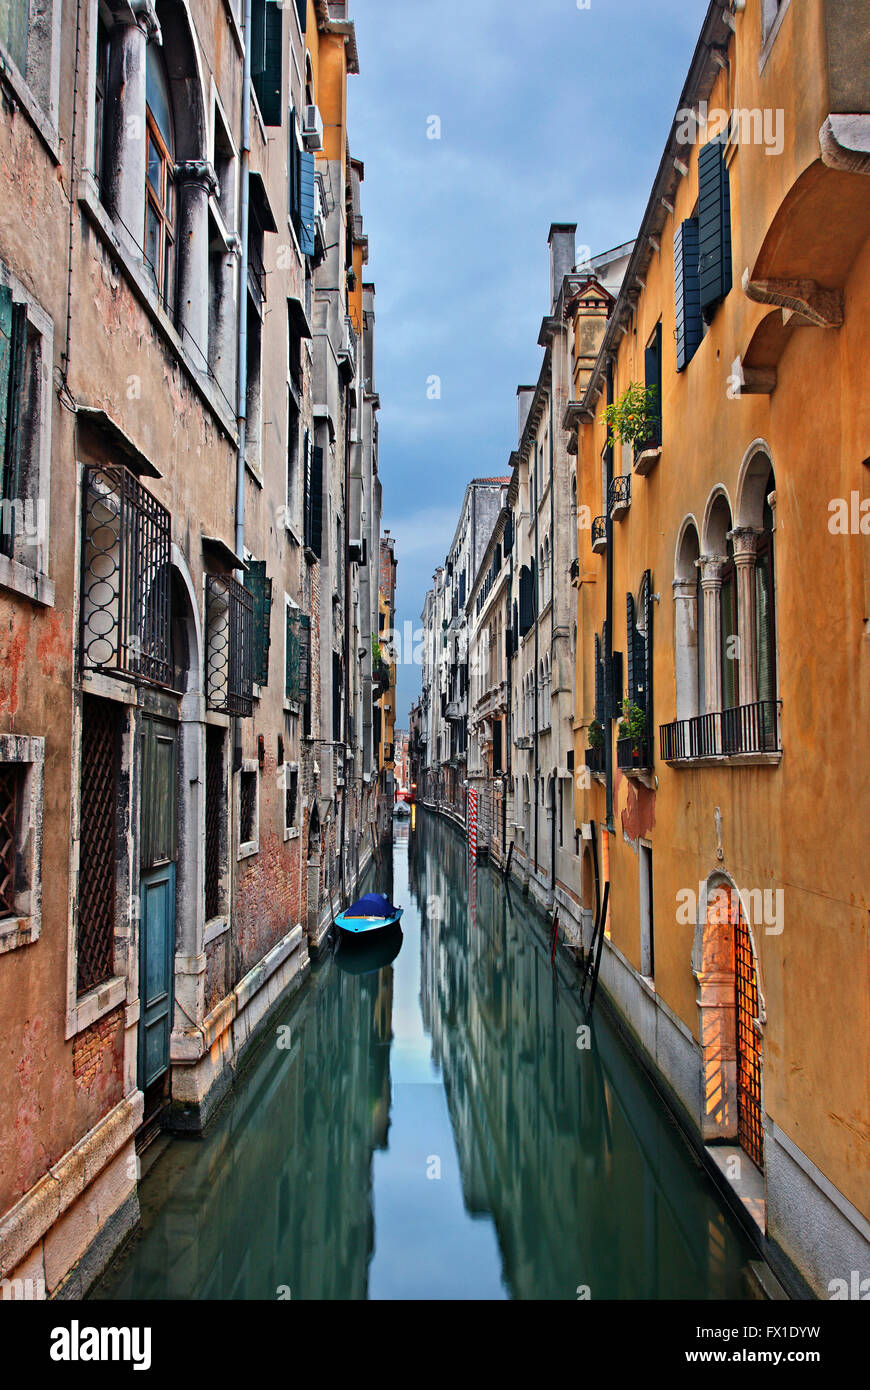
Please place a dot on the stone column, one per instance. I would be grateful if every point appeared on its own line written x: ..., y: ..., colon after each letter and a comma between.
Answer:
x: 135, y: 25
x: 711, y: 567
x: 197, y: 181
x: 745, y: 540
x: 686, y: 647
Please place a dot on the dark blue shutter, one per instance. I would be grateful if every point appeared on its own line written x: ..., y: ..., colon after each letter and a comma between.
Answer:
x: 306, y: 203
x: 508, y: 534
x: 714, y: 227
x: 293, y: 169
x: 687, y: 292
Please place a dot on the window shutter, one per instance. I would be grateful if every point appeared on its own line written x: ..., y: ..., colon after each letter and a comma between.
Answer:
x: 13, y: 353
x: 714, y: 227
x: 508, y: 534
x: 5, y: 371
x: 306, y: 203
x: 306, y: 510
x: 687, y: 292
x: 302, y: 10
x: 336, y: 698
x: 607, y: 667
x: 316, y: 535
x: 630, y: 631
x: 267, y: 19
x: 292, y: 169
x: 527, y: 615
x: 291, y: 655
x: 260, y: 589
x: 599, y: 682
x: 304, y: 658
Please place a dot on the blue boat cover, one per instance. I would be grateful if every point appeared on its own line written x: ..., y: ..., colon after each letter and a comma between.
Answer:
x: 371, y: 905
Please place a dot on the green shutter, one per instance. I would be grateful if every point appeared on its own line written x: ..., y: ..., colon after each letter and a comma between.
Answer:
x: 261, y: 589
x: 267, y: 24
x: 599, y: 681
x: 304, y: 658
x: 527, y: 612
x: 306, y: 203
x: 714, y: 227
x: 291, y: 674
x: 316, y: 538
x: 687, y: 294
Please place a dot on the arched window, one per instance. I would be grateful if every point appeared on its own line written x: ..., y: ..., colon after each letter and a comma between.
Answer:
x: 160, y: 196
x: 765, y: 628
x: 688, y: 626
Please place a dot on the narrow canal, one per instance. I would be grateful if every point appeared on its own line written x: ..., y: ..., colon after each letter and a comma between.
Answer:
x: 433, y: 1130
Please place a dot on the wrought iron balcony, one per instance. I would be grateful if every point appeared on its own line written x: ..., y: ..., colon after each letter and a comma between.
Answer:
x: 596, y: 759
x: 599, y: 535
x: 619, y: 495
x: 647, y: 450
x: 744, y: 729
x: 631, y: 758
x: 575, y: 570
x: 125, y: 598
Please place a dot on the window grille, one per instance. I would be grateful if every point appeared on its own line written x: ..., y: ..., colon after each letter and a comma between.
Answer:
x: 97, y: 849
x: 125, y: 622
x: 10, y: 779
x: 230, y: 646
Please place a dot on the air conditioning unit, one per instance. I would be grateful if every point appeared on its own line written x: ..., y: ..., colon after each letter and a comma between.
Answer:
x: 312, y: 129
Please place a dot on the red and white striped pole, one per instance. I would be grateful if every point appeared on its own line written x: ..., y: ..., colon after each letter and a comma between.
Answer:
x: 472, y: 824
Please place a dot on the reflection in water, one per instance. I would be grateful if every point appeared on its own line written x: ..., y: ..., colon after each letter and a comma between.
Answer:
x: 432, y: 1128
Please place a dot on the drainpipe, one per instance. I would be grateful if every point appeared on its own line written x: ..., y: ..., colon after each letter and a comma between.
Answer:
x: 553, y: 729
x: 608, y: 613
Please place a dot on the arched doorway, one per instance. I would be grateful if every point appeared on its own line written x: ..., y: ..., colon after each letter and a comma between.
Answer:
x: 731, y: 1012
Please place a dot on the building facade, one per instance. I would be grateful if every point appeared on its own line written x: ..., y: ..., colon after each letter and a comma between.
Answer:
x: 189, y: 447
x: 687, y: 579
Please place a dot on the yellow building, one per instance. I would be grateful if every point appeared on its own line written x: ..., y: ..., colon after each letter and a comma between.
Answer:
x: 724, y: 593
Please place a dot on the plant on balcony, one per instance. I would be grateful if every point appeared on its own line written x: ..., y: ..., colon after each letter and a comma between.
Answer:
x: 634, y: 418
x: 596, y: 734
x: 633, y: 725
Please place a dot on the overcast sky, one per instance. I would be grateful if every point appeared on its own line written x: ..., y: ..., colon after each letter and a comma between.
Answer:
x: 548, y: 113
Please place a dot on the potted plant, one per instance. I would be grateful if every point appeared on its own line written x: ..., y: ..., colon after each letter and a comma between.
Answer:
x: 634, y: 417
x: 596, y: 735
x: 632, y: 726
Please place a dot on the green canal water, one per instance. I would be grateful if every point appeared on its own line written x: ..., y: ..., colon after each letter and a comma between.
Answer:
x: 431, y: 1129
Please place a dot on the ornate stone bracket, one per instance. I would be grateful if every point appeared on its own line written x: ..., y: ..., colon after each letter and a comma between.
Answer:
x: 802, y: 300
x: 142, y: 13
x: 198, y: 171
x: 844, y: 141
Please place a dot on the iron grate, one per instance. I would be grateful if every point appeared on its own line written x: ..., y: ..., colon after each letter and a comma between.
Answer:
x: 9, y: 780
x: 214, y: 803
x: 96, y: 915
x: 750, y: 1131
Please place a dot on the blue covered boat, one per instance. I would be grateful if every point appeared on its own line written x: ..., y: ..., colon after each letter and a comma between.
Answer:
x: 372, y: 912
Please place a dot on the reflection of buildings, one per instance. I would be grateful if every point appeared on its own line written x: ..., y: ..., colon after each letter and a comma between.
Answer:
x: 317, y: 1106
x: 585, y: 1180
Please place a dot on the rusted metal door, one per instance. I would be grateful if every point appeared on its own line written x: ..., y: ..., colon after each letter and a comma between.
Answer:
x: 158, y: 851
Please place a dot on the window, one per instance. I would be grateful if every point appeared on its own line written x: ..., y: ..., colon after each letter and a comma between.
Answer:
x: 313, y: 516
x: 249, y: 808
x: 730, y: 655
x: 687, y: 291
x: 98, y: 842
x: 101, y: 104
x: 215, y: 822
x: 159, y: 179
x: 647, y: 942
x: 22, y: 762
x: 29, y: 35
x: 230, y: 646
x: 26, y: 338
x: 765, y: 626
x: 260, y: 589
x: 301, y: 187
x: 291, y: 800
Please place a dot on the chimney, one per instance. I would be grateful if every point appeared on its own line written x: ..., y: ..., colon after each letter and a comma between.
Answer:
x: 562, y: 251
x: 524, y: 401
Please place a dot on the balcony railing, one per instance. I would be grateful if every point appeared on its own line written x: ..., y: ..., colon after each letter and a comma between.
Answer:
x: 599, y: 534
x: 619, y: 495
x: 728, y: 733
x: 630, y: 758
x: 596, y: 759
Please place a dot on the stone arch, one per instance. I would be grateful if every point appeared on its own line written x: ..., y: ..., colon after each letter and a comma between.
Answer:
x: 688, y: 638
x: 186, y: 84
x: 688, y: 548
x: 722, y: 915
x: 717, y: 522
x: 752, y: 485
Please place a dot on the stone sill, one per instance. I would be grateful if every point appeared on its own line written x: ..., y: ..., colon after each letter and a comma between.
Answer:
x: 20, y: 579
x: 95, y: 1004
x: 214, y: 928
x: 89, y: 202
x: 619, y: 510
x: 248, y: 849
x: 17, y: 931
x: 749, y: 1187
x: 732, y: 760
x: 29, y: 105
x: 291, y: 833
x: 646, y: 461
